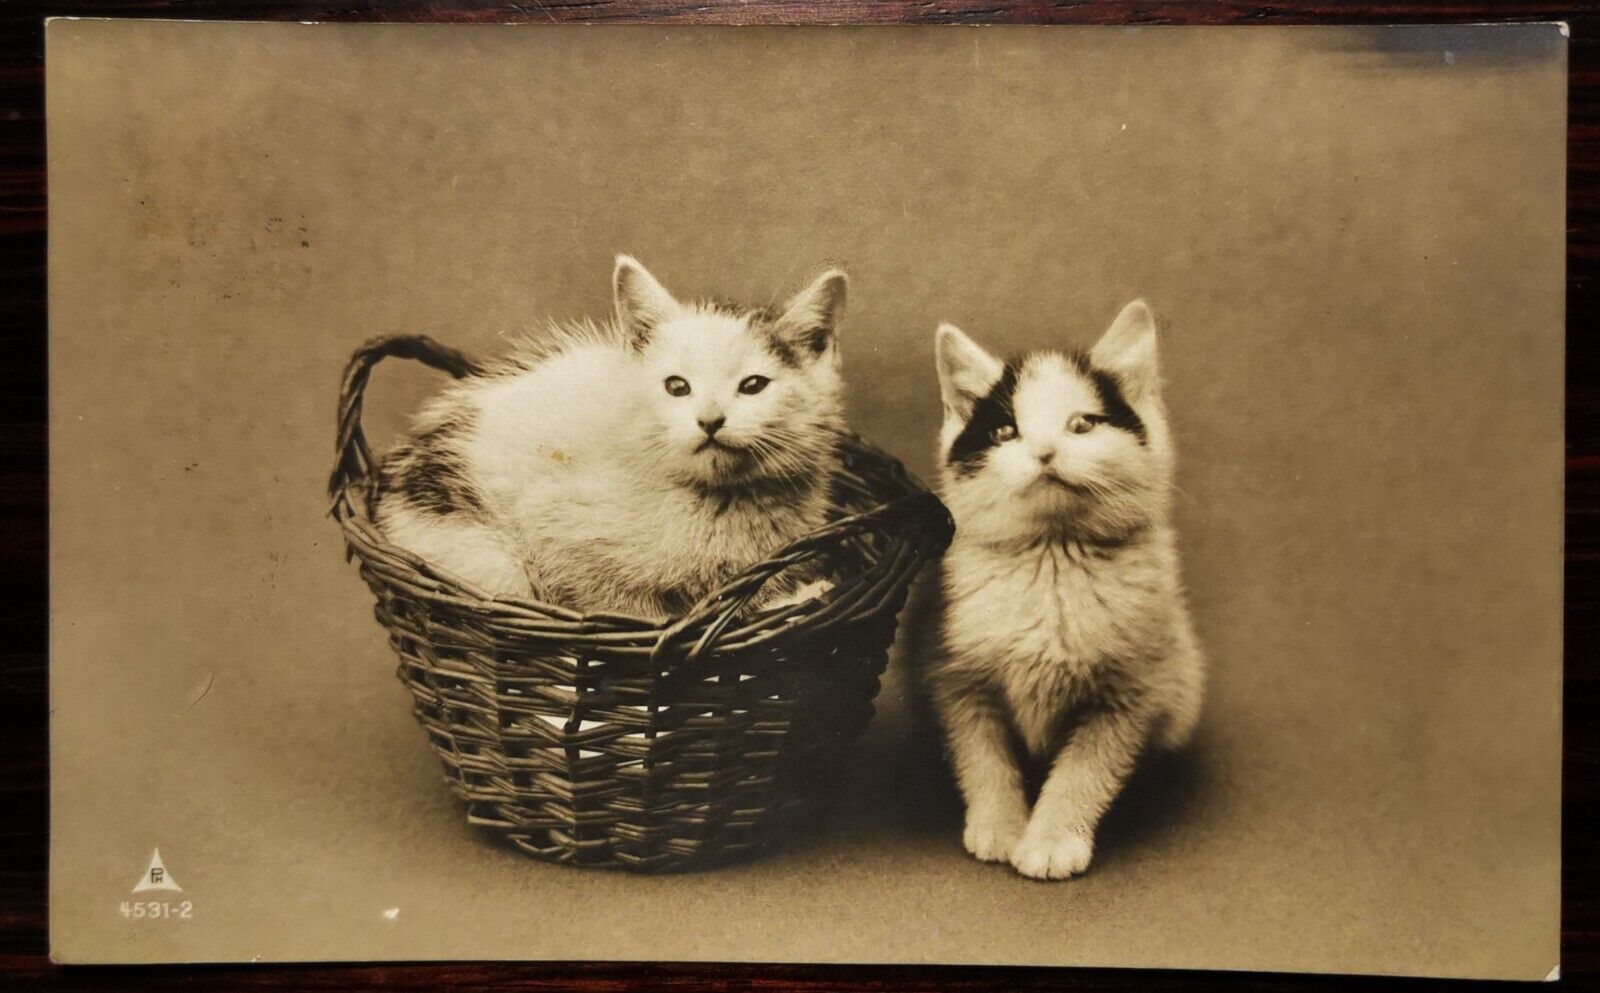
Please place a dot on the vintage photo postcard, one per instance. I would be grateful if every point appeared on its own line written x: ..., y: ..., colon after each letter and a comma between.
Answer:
x: 842, y: 494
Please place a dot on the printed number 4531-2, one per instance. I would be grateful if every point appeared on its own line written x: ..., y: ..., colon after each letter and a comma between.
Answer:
x: 157, y: 909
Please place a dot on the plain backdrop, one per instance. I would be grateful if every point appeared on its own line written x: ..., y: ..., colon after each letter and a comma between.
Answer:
x: 1354, y: 237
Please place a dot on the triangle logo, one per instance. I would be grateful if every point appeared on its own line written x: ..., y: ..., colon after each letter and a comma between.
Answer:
x: 157, y: 877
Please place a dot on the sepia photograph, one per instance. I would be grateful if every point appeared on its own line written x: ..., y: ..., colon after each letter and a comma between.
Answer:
x: 936, y: 495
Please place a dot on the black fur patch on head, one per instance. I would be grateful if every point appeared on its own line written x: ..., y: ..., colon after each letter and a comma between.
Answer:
x: 971, y: 447
x: 763, y: 323
x: 817, y: 340
x: 1114, y: 406
x: 781, y: 349
x: 1118, y: 413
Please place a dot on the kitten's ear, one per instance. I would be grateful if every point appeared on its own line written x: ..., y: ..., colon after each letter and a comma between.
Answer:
x: 966, y: 372
x: 1129, y: 350
x: 641, y: 301
x: 811, y: 317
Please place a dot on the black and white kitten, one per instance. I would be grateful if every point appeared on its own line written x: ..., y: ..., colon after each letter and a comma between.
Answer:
x: 1065, y: 636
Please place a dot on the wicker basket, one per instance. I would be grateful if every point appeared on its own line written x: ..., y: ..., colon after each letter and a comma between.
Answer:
x: 607, y: 740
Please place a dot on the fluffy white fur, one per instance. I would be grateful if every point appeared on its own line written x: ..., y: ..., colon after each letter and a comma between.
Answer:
x: 634, y: 466
x: 1066, y: 640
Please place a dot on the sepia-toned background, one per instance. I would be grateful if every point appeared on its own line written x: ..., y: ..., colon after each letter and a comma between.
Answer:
x: 1354, y: 236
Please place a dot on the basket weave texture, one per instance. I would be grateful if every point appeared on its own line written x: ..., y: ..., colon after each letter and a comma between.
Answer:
x: 608, y: 740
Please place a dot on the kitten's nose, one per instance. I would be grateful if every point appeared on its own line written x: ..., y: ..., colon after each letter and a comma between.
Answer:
x: 711, y: 425
x: 1045, y: 454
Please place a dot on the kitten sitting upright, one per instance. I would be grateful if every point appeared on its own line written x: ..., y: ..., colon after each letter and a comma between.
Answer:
x: 633, y: 466
x: 1066, y: 641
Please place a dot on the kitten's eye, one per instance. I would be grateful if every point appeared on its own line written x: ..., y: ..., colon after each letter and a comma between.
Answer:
x: 677, y: 386
x: 1081, y: 423
x: 1004, y: 432
x: 751, y: 385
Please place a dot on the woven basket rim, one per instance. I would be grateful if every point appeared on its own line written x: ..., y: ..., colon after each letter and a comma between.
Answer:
x: 910, y: 521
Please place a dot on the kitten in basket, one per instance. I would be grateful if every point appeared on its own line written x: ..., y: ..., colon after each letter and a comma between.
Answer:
x: 1066, y: 643
x: 631, y: 466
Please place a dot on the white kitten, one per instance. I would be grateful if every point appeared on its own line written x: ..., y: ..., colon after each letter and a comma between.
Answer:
x: 1066, y: 640
x: 633, y: 466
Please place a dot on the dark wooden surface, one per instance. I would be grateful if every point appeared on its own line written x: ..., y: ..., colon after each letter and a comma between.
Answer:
x: 23, y: 492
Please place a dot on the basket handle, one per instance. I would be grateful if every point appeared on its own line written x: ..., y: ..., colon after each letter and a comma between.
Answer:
x: 355, y: 462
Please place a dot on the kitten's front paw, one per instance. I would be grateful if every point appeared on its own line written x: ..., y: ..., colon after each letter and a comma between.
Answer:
x: 990, y: 837
x: 1054, y: 853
